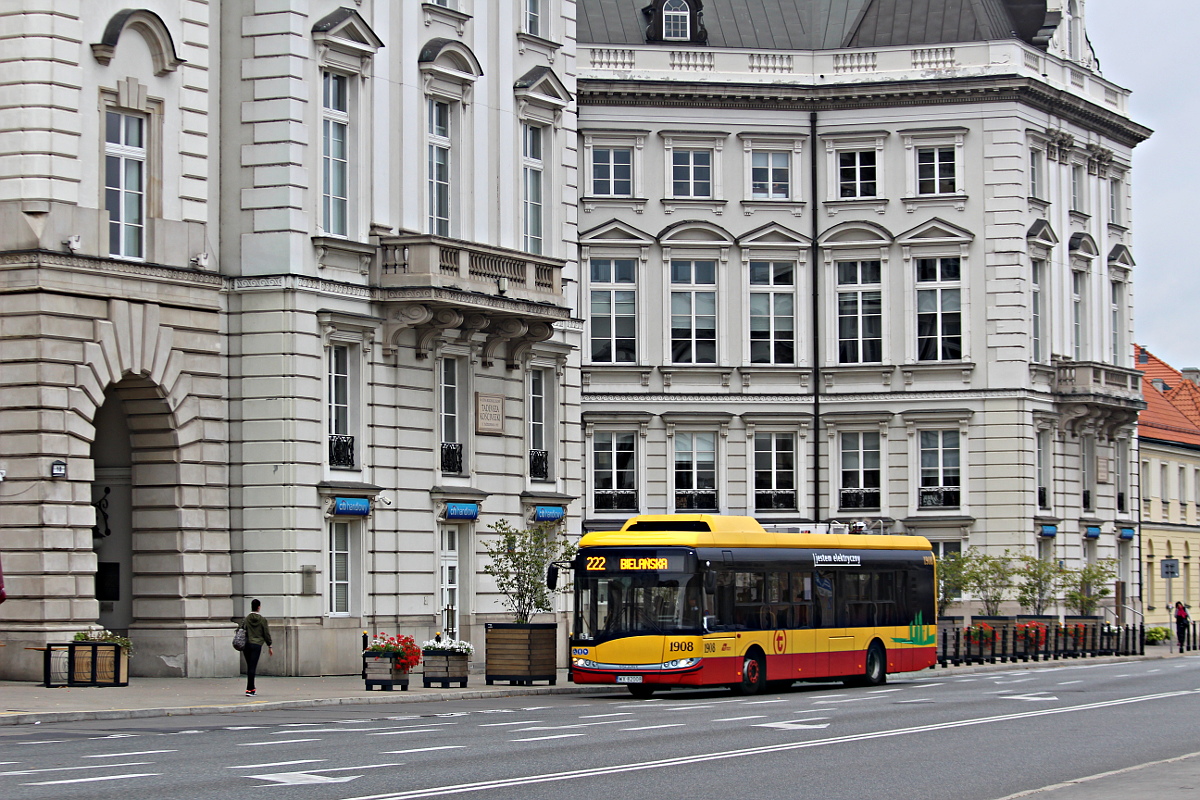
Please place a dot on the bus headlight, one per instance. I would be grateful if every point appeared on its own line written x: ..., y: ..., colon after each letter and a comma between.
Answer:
x: 682, y: 663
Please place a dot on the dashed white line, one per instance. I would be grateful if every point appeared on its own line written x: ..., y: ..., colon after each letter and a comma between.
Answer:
x: 739, y: 719
x: 1068, y: 683
x: 656, y: 727
x: 72, y: 769
x: 281, y: 741
x: 278, y: 764
x: 884, y: 691
x: 425, y: 749
x: 544, y: 738
x: 614, y: 714
x: 764, y: 702
x: 502, y: 724
x: 125, y: 755
x: 91, y: 780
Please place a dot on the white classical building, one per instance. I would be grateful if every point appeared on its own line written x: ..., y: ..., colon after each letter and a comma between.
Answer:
x: 286, y: 314
x: 851, y: 264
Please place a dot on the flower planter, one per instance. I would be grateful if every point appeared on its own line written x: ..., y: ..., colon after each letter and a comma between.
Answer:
x: 380, y: 669
x: 521, y: 654
x: 444, y: 668
x: 86, y: 664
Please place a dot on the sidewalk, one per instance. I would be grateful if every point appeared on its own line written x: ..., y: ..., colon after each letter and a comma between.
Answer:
x: 23, y: 703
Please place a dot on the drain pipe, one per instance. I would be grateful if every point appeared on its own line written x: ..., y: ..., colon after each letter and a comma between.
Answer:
x: 814, y: 270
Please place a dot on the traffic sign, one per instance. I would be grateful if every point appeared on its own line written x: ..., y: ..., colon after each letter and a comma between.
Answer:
x: 1170, y: 567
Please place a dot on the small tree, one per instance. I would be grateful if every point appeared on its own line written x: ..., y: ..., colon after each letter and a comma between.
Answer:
x: 951, y: 579
x: 1087, y: 585
x: 989, y: 578
x: 1040, y: 580
x: 518, y: 561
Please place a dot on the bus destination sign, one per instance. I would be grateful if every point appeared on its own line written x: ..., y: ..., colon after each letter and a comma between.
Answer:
x: 633, y: 562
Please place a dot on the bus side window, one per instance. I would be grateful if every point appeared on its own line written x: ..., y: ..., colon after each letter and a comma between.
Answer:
x: 823, y: 590
x: 724, y: 602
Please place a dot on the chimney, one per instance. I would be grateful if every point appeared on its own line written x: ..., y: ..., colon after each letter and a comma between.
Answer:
x: 1192, y: 374
x: 1143, y: 355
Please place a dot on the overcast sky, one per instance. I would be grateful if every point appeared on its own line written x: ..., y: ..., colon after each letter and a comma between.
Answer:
x: 1148, y: 47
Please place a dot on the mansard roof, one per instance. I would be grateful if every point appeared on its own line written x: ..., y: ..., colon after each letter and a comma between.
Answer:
x: 830, y: 24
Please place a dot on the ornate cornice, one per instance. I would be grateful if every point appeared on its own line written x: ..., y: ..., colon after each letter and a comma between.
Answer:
x: 137, y: 269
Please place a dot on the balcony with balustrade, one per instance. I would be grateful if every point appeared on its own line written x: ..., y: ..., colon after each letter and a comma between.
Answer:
x: 1102, y: 396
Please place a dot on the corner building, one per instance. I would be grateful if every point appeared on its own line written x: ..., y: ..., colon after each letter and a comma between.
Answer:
x: 286, y: 314
x: 864, y: 264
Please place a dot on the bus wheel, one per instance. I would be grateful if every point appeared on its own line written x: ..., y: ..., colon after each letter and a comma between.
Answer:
x: 754, y: 675
x: 875, y: 673
x: 641, y: 691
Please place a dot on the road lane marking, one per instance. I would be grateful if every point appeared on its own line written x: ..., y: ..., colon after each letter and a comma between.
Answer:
x: 92, y: 780
x: 764, y: 702
x: 884, y: 691
x: 1029, y: 697
x: 281, y: 741
x: 278, y: 764
x: 354, y: 730
x: 793, y: 725
x: 919, y: 700
x: 71, y: 769
x: 783, y: 747
x: 574, y: 725
x: 45, y: 741
x: 543, y: 738
x: 500, y: 724
x: 656, y: 727
x: 615, y: 714
x: 739, y: 719
x: 134, y: 753
x: 1068, y: 683
x: 424, y: 749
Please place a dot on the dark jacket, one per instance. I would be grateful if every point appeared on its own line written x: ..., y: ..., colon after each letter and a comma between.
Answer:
x: 257, y: 629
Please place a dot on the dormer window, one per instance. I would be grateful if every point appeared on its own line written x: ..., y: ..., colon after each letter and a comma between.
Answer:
x: 675, y: 21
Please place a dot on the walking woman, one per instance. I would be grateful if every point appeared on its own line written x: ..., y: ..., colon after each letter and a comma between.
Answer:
x: 1181, y: 624
x: 258, y: 633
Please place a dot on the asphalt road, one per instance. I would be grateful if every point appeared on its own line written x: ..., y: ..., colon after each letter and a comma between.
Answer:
x: 982, y: 736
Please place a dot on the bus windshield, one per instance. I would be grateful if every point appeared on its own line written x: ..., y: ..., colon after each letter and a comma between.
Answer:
x: 617, y: 604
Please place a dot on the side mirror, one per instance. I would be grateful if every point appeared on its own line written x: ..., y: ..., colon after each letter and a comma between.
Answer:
x: 552, y: 577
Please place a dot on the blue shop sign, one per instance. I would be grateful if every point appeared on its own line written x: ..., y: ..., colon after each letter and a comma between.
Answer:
x: 462, y: 510
x: 548, y: 513
x: 1049, y: 530
x: 1126, y: 533
x: 1092, y: 532
x: 351, y: 506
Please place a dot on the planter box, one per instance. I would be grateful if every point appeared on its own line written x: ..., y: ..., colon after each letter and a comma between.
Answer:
x: 444, y: 668
x: 381, y: 669
x: 86, y: 664
x: 522, y: 654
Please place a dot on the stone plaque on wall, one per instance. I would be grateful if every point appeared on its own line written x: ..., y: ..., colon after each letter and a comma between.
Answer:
x: 489, y: 413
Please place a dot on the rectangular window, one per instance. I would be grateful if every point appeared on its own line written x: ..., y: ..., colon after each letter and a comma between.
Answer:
x: 613, y: 311
x: 693, y: 312
x: 1044, y: 469
x: 860, y: 471
x: 448, y: 580
x: 1121, y: 468
x: 1114, y: 202
x: 533, y: 17
x: 1087, y: 472
x: 1117, y: 312
x: 450, y: 411
x: 1036, y: 178
x: 772, y: 312
x: 935, y: 170
x: 774, y: 472
x: 539, y: 461
x: 1038, y: 275
x: 339, y: 568
x: 1077, y: 187
x: 857, y: 175
x: 940, y: 477
x: 612, y: 171
x: 125, y: 183
x: 335, y: 158
x: 695, y: 471
x: 939, y: 310
x: 770, y: 175
x: 860, y: 312
x: 439, y: 152
x: 691, y: 173
x: 341, y: 440
x: 531, y: 152
x: 1078, y: 312
x: 614, y: 462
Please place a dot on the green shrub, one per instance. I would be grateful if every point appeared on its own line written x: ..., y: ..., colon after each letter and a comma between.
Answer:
x: 1157, y: 635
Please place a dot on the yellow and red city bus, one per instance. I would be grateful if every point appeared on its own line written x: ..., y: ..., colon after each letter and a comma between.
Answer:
x: 709, y: 600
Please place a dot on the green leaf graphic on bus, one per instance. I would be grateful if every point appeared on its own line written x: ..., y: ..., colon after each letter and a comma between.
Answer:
x: 916, y: 633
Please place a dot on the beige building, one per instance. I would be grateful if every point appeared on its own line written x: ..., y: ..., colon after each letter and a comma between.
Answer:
x: 1169, y: 446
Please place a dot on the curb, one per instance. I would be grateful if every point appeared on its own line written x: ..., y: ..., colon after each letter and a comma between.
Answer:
x: 394, y: 698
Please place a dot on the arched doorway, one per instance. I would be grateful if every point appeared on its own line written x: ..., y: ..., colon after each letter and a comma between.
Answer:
x: 112, y: 496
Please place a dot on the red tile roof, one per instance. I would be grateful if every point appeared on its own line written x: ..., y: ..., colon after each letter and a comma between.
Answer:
x: 1173, y: 414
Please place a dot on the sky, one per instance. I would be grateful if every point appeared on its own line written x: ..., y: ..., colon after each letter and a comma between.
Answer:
x: 1148, y: 46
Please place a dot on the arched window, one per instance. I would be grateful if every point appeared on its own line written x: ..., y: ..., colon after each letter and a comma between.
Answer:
x: 676, y: 17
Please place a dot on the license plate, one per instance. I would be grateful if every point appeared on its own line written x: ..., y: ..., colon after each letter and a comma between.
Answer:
x: 629, y: 679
